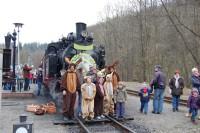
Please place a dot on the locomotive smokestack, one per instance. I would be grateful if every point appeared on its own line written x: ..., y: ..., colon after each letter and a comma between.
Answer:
x: 79, y: 28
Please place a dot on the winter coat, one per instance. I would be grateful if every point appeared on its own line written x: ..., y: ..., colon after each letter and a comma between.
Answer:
x: 144, y: 97
x: 158, y: 82
x: 192, y: 102
x: 99, y: 93
x: 176, y: 91
x: 195, y: 82
x: 39, y: 76
x: 120, y: 95
x: 26, y: 72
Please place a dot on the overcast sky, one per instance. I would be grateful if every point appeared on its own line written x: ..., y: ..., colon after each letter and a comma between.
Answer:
x: 47, y: 20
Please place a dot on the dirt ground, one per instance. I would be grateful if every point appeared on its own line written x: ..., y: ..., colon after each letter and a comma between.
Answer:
x: 167, y: 122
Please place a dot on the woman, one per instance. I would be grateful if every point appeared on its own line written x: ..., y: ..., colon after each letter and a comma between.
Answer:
x: 176, y: 85
x: 98, y: 101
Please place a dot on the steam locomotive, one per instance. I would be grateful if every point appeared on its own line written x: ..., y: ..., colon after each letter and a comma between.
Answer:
x: 75, y: 48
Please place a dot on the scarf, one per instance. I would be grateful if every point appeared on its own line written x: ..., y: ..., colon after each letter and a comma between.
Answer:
x: 176, y: 82
x: 71, y: 82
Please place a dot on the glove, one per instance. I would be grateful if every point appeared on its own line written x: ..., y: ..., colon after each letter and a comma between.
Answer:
x: 64, y: 92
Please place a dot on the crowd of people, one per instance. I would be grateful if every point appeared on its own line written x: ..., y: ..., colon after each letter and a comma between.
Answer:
x: 99, y: 93
x: 102, y: 93
x: 176, y: 85
x: 24, y: 77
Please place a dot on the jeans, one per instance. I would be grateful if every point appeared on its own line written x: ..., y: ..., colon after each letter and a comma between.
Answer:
x: 120, y: 109
x: 144, y: 107
x: 175, y: 102
x: 194, y: 114
x: 39, y: 88
x: 158, y: 100
x: 26, y: 84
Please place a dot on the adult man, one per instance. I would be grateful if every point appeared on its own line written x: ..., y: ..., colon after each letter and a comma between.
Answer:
x: 176, y: 85
x: 158, y: 84
x: 39, y: 80
x: 26, y: 72
x: 69, y: 85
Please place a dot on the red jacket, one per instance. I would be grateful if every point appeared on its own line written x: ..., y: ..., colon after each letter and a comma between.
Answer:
x: 26, y: 71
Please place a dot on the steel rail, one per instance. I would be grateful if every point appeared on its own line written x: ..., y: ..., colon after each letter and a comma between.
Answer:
x: 86, y: 130
x: 166, y: 98
x: 123, y: 127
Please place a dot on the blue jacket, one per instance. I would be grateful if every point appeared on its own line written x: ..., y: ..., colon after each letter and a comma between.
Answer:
x: 144, y: 97
x: 39, y: 76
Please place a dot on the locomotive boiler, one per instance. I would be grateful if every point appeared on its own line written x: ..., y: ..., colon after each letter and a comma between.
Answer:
x: 79, y: 49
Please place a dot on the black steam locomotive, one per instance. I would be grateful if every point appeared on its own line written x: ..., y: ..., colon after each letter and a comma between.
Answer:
x: 73, y: 47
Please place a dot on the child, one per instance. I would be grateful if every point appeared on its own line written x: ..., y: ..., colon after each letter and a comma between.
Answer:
x: 144, y: 98
x: 88, y: 91
x: 108, y: 99
x: 192, y: 104
x: 120, y: 97
x: 189, y: 114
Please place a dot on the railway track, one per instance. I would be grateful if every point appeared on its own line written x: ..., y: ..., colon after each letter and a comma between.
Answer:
x: 166, y: 98
x: 83, y: 127
x: 115, y: 123
x: 124, y: 128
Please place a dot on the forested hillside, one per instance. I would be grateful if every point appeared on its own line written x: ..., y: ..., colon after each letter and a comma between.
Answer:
x: 144, y: 33
x: 32, y: 53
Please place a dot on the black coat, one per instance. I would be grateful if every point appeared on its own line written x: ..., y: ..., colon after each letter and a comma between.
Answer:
x: 176, y: 91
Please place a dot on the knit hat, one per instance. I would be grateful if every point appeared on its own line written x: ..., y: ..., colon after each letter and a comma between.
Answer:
x: 195, y: 90
x: 194, y: 69
x: 145, y: 90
